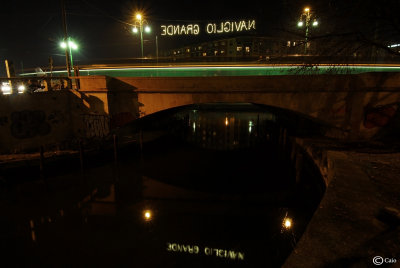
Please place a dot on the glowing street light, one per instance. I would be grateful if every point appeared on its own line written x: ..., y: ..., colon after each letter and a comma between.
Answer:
x: 306, y: 17
x: 138, y: 28
x: 71, y: 45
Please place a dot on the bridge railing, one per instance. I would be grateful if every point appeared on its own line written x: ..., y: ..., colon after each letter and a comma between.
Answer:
x: 19, y: 85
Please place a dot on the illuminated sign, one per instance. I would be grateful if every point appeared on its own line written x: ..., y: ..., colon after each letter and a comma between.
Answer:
x: 211, y: 28
x: 180, y: 29
x: 208, y: 251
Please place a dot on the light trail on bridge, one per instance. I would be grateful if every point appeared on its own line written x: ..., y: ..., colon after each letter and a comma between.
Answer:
x: 223, y: 70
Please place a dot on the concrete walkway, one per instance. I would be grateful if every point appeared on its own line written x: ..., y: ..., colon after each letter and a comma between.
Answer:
x: 351, y: 225
x: 26, y: 159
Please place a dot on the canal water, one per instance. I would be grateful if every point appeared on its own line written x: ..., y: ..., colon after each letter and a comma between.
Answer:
x: 208, y: 186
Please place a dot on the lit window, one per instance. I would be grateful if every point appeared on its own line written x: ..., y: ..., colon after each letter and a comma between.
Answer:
x: 200, y: 47
x: 288, y: 43
x: 294, y: 44
x: 188, y: 50
x: 222, y: 51
x: 247, y: 49
x: 174, y: 52
x: 238, y: 48
x: 204, y: 54
x: 215, y: 52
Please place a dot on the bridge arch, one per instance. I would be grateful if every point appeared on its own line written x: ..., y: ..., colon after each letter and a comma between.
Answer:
x: 297, y: 123
x: 339, y: 100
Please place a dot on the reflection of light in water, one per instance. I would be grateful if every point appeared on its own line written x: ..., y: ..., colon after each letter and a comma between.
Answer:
x: 32, y: 225
x: 226, y: 121
x: 250, y: 125
x: 194, y: 126
x: 287, y: 223
x: 147, y: 215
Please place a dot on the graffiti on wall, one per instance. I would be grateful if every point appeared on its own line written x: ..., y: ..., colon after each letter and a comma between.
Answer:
x: 97, y: 126
x: 379, y: 116
x: 56, y: 117
x: 28, y: 124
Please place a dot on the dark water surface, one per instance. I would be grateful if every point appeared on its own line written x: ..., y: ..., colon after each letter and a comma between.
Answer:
x: 212, y: 188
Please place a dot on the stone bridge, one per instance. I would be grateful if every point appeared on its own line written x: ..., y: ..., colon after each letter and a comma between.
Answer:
x: 361, y: 104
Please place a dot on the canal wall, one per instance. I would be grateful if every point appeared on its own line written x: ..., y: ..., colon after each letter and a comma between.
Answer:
x: 31, y: 120
x: 354, y: 221
x: 61, y: 118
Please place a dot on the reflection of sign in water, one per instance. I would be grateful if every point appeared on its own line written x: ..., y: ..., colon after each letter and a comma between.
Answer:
x: 211, y: 28
x: 208, y: 251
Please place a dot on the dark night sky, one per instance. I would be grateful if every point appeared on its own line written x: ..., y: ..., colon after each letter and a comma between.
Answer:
x: 31, y: 31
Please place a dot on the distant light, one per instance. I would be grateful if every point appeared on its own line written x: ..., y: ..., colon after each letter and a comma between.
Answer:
x: 315, y: 23
x: 63, y: 45
x: 138, y: 16
x: 395, y: 45
x: 21, y: 88
x: 147, y: 215
x: 194, y: 126
x: 300, y: 24
x: 6, y: 89
x: 147, y: 29
x: 250, y: 126
x: 226, y: 121
x: 307, y: 9
x: 134, y: 29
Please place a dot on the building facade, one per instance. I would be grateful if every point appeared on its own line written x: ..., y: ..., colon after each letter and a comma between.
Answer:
x: 230, y: 48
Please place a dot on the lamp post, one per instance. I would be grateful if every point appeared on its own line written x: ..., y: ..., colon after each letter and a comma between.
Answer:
x: 71, y: 45
x: 139, y: 22
x: 306, y: 17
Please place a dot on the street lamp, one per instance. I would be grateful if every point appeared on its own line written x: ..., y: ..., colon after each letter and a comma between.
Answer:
x: 138, y: 27
x: 71, y: 45
x: 306, y: 17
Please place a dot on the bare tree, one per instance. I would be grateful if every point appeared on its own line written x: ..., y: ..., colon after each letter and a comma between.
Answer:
x: 350, y: 31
